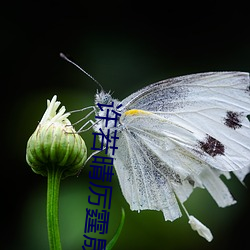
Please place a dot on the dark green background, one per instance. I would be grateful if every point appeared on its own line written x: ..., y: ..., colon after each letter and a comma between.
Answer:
x: 125, y: 45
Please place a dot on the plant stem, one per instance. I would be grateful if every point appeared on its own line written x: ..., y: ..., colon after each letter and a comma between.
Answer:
x: 54, y: 177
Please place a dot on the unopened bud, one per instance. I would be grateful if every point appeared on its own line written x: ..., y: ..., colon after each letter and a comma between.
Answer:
x: 55, y: 143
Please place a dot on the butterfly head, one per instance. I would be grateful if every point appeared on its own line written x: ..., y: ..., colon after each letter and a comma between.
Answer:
x: 108, y: 109
x: 103, y: 97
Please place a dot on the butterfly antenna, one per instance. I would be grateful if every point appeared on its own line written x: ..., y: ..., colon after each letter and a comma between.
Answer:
x: 90, y: 76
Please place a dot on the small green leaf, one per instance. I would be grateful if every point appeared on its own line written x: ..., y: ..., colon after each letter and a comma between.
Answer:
x: 117, y: 234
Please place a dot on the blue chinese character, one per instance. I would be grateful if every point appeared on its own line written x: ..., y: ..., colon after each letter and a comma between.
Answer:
x: 107, y: 117
x: 106, y: 138
x: 103, y: 169
x: 96, y: 221
x: 104, y: 195
x: 101, y: 243
x: 103, y: 138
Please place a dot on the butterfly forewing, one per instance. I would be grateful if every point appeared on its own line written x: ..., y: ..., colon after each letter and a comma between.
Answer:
x: 176, y: 93
x: 213, y: 106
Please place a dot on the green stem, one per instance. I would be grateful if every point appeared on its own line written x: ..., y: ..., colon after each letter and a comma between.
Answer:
x: 117, y: 234
x: 54, y: 177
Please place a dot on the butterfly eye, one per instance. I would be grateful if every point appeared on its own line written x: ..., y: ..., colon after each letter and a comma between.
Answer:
x: 102, y: 97
x: 106, y: 99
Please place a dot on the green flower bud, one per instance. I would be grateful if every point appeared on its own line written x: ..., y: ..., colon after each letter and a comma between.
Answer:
x: 55, y: 143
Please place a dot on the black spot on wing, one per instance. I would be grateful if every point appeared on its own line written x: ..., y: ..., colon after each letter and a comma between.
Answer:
x: 233, y: 119
x: 190, y: 181
x: 212, y: 146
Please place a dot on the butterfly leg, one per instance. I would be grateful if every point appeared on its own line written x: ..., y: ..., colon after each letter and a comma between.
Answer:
x: 83, y: 127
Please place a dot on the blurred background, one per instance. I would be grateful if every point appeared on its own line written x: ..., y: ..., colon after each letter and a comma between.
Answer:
x: 125, y: 45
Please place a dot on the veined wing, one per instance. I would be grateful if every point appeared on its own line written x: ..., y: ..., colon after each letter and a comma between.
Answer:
x: 174, y: 94
x: 153, y: 166
x: 213, y: 106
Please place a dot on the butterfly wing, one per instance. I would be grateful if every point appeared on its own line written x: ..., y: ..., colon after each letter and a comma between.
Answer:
x: 153, y: 168
x: 213, y: 106
x: 181, y: 133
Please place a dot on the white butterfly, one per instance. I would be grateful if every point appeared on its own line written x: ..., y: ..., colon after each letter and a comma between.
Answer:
x: 178, y: 134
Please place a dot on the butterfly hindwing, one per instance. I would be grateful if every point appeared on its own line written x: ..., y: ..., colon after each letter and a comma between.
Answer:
x: 141, y: 183
x: 156, y: 167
